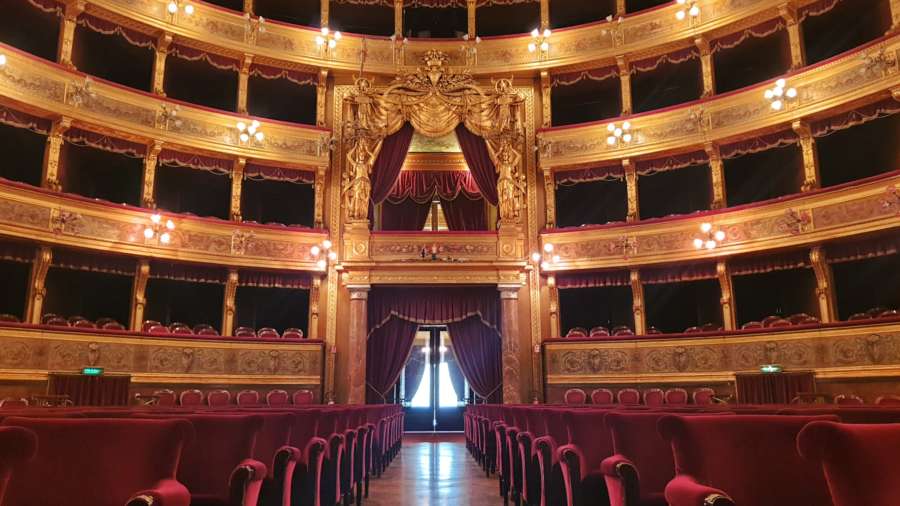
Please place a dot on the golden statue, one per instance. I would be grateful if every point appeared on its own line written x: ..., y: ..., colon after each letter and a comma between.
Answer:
x: 506, y: 105
x: 358, y: 186
x: 510, y: 182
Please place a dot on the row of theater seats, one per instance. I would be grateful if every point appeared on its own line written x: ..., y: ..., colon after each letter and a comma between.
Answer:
x: 632, y: 397
x: 874, y: 313
x: 778, y: 321
x: 203, y: 329
x: 316, y: 455
x: 223, y: 398
x: 689, y: 456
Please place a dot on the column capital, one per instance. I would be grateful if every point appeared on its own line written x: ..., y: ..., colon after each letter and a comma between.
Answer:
x: 359, y: 292
x: 510, y: 291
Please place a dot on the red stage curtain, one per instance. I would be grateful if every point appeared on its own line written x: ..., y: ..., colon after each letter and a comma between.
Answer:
x: 415, y: 369
x: 678, y: 273
x: 477, y: 350
x: 592, y: 279
x: 405, y: 215
x: 390, y: 160
x: 272, y: 279
x: 758, y: 388
x: 434, y: 306
x: 424, y: 185
x: 464, y: 214
x: 194, y: 273
x: 479, y: 161
x: 387, y: 349
x: 84, y: 390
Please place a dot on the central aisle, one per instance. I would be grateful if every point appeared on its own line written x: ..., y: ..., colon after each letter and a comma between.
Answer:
x: 434, y: 470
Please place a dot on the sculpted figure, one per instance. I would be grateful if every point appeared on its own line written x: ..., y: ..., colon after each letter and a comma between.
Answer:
x: 510, y: 183
x: 358, y: 186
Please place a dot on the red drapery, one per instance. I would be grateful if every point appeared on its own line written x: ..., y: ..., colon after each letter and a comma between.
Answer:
x: 570, y: 78
x: 678, y: 273
x: 81, y: 137
x: 479, y: 161
x: 759, y: 31
x: 756, y: 144
x: 424, y: 185
x: 477, y: 351
x: 404, y: 215
x: 195, y: 273
x: 216, y: 60
x: 415, y: 368
x: 111, y: 390
x: 294, y: 76
x: 390, y: 160
x: 758, y: 388
x: 742, y: 266
x: 853, y: 117
x: 16, y: 251
x: 873, y: 247
x: 218, y: 166
x: 272, y: 279
x: 105, y: 27
x: 464, y: 214
x: 678, y: 161
x: 592, y: 279
x: 20, y: 119
x: 406, y: 207
x: 257, y: 172
x: 387, y: 349
x: 604, y: 173
x: 94, y: 262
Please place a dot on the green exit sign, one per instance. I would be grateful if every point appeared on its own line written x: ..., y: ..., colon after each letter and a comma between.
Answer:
x: 770, y: 369
x: 92, y: 371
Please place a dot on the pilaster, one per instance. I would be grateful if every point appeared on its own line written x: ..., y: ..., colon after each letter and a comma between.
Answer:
x: 470, y: 13
x: 625, y: 83
x: 148, y: 183
x: 159, y: 63
x: 237, y: 183
x: 637, y: 302
x: 68, y: 21
x: 788, y: 11
x: 139, y: 294
x: 319, y: 196
x: 322, y: 98
x: 553, y: 292
x: 726, y: 299
x: 243, y: 83
x: 37, y: 290
x: 620, y: 8
x: 545, y: 14
x: 706, y: 66
x: 315, y: 293
x: 324, y: 7
x: 716, y: 175
x: 824, y: 285
x: 398, y: 18
x: 356, y: 359
x: 549, y: 199
x: 50, y: 173
x: 811, y: 178
x: 895, y: 17
x: 546, y: 100
x: 228, y: 307
x: 631, y: 189
x: 248, y: 7
x: 509, y: 325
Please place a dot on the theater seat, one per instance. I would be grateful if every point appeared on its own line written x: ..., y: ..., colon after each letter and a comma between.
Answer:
x: 268, y: 333
x: 575, y: 396
x: 888, y: 400
x: 629, y: 397
x: 165, y: 398
x: 676, y: 397
x: 599, y: 331
x: 247, y: 398
x: 654, y: 397
x: 218, y: 398
x: 742, y: 460
x: 577, y: 332
x: 581, y: 459
x: 277, y: 398
x: 859, y: 461
x: 602, y: 396
x: 101, y: 462
x: 13, y: 403
x: 244, y: 332
x: 848, y: 399
x: 703, y: 396
x: 302, y: 397
x: 190, y: 398
x: 17, y: 447
x: 6, y: 317
x: 292, y: 333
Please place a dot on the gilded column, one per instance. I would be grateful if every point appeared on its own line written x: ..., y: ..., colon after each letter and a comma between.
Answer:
x: 631, y: 189
x: 324, y: 12
x: 549, y: 199
x: 248, y: 7
x: 228, y: 307
x: 50, y: 173
x: 726, y: 300
x: 243, y: 82
x: 139, y: 294
x: 237, y: 182
x: 470, y: 12
x: 159, y: 63
x: 810, y: 156
x: 148, y: 184
x: 895, y: 17
x: 398, y: 18
x: 545, y: 14
x: 546, y: 100
x: 509, y: 325
x: 359, y: 299
x: 716, y: 175
x: 68, y: 22
x: 319, y: 205
x: 620, y: 8
x: 554, y: 306
x: 625, y: 82
x: 706, y: 65
x: 788, y: 11
x: 637, y: 303
x: 36, y: 289
x: 312, y: 332
x: 322, y: 98
x: 824, y: 285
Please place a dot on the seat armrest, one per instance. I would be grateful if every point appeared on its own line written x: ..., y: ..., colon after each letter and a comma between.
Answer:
x: 571, y: 463
x: 283, y: 465
x: 684, y: 490
x: 544, y: 450
x: 164, y: 493
x: 245, y: 482
x: 622, y: 481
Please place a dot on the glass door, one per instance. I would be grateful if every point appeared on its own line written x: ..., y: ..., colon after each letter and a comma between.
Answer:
x: 432, y: 384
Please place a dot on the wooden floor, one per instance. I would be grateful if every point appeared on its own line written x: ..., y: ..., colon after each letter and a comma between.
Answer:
x: 434, y: 470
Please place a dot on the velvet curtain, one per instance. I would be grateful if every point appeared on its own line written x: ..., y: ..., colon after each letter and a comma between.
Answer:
x: 433, y: 305
x: 405, y: 215
x: 107, y: 390
x: 457, y: 378
x: 464, y: 214
x: 390, y: 160
x: 391, y: 344
x: 424, y: 185
x: 779, y: 388
x: 478, y: 159
x: 415, y: 370
x: 477, y: 350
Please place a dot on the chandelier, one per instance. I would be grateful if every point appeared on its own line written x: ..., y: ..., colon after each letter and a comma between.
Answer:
x: 779, y: 94
x: 688, y: 8
x: 545, y: 259
x: 246, y: 132
x: 619, y: 134
x: 329, y: 254
x: 157, y: 229
x: 540, y: 40
x: 327, y: 39
x: 175, y: 5
x: 710, y: 238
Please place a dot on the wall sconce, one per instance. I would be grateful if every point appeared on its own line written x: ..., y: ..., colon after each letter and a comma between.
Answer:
x: 780, y: 94
x: 158, y: 229
x: 619, y: 134
x: 540, y: 40
x: 711, y: 237
x: 2, y: 59
x: 688, y: 8
x: 545, y: 259
x: 329, y: 254
x: 470, y: 49
x: 169, y: 116
x: 176, y: 6
x: 327, y: 40
x: 254, y: 26
x: 81, y: 93
x: 251, y: 132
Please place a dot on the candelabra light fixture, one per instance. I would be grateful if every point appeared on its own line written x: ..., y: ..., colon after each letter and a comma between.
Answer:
x: 688, y: 8
x: 2, y: 59
x: 546, y: 258
x: 779, y: 94
x: 619, y: 134
x: 710, y: 237
x: 470, y: 48
x: 251, y: 132
x: 176, y: 6
x: 327, y: 40
x: 159, y: 229
x: 324, y: 254
x: 540, y: 40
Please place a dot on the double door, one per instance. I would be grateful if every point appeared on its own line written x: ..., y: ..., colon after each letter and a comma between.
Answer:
x: 433, y: 388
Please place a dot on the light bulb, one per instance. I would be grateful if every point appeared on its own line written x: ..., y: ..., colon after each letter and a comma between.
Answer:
x: 165, y: 238
x: 155, y: 218
x: 314, y: 251
x: 544, y: 266
x: 244, y: 137
x: 535, y: 33
x: 241, y: 126
x: 626, y: 126
x: 532, y: 47
x: 326, y: 244
x: 710, y: 244
x: 259, y: 136
x: 188, y: 9
x: 545, y: 46
x: 679, y: 15
x: 777, y: 105
x: 337, y: 35
x: 321, y: 264
x: 780, y: 83
x: 170, y: 224
x: 426, y: 349
x: 611, y: 127
x: 251, y: 130
x: 548, y: 247
x: 254, y: 124
x: 611, y: 140
x: 791, y: 92
x: 705, y: 227
x: 2, y: 60
x: 547, y: 32
x: 694, y: 11
x: 769, y: 94
x: 778, y: 91
x: 324, y: 31
x: 319, y: 40
x: 332, y: 43
x: 681, y: 2
x: 698, y: 243
x: 332, y: 255
x: 626, y: 137
x: 148, y: 233
x: 173, y: 7
x: 443, y: 349
x: 535, y: 257
x: 618, y: 132
x: 720, y: 235
x: 556, y: 259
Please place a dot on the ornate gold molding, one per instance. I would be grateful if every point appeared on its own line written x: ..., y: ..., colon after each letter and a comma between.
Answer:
x: 139, y: 294
x: 435, y: 161
x: 867, y: 74
x: 36, y: 289
x: 793, y: 222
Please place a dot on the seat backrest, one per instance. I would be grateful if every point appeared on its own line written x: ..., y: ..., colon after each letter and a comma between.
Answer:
x: 158, y: 329
x: 274, y: 433
x: 17, y: 447
x: 575, y: 396
x: 848, y: 414
x: 113, y: 326
x: 703, y: 396
x: 602, y: 396
x: 277, y: 398
x: 165, y: 397
x: 302, y: 397
x: 654, y: 397
x: 536, y: 421
x: 635, y: 436
x: 96, y: 461
x: 629, y: 397
x: 676, y: 397
x: 752, y: 325
x: 599, y: 331
x: 147, y: 324
x: 848, y: 399
x: 268, y: 333
x: 208, y: 332
x: 722, y: 451
x: 859, y: 461
x: 190, y: 398
x: 6, y: 317
x: 587, y: 432
x: 292, y: 333
x: 13, y: 403
x: 244, y: 332
x: 577, y: 332
x: 218, y: 398
x: 556, y: 425
x: 247, y: 398
x: 888, y: 400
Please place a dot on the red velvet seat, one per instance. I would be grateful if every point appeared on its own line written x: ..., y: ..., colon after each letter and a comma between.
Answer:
x: 268, y: 333
x: 200, y: 327
x: 158, y: 329
x: 849, y: 414
x: 741, y: 460
x: 622, y: 330
x: 149, y: 323
x: 602, y: 397
x: 703, y: 396
x: 599, y: 331
x: 535, y: 427
x: 654, y: 397
x: 574, y: 396
x: 302, y: 397
x: 577, y: 332
x: 580, y: 460
x: 629, y: 397
x: 273, y: 448
x: 552, y: 487
x: 165, y: 398
x: 858, y: 316
x: 84, y: 324
x: 330, y: 429
x: 292, y: 333
x: 276, y: 398
x: 101, y: 462
x: 247, y: 398
x: 56, y: 321
x: 751, y: 325
x: 218, y: 398
x: 860, y: 461
x: 113, y: 326
x: 17, y: 447
x: 13, y: 403
x: 191, y: 398
x: 888, y: 400
x: 676, y: 397
x: 244, y: 332
x: 307, y: 470
x: 848, y: 399
x: 6, y: 317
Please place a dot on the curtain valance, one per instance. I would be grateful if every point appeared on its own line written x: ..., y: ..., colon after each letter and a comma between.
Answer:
x: 571, y: 78
x: 81, y: 137
x: 674, y: 58
x: 679, y: 161
x: 592, y: 279
x: 51, y: 6
x: 257, y: 172
x: 434, y: 306
x: 17, y: 251
x: 816, y: 8
x: 760, y: 264
x: 133, y: 37
x: 294, y: 76
x: 21, y: 119
x: 872, y: 247
x: 216, y: 60
x: 423, y: 186
x: 853, y: 117
x: 759, y: 31
x: 218, y: 166
x: 760, y: 143
x: 93, y: 262
x: 194, y: 273
x: 678, y: 273
x: 590, y: 174
x: 272, y: 279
